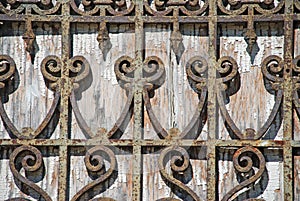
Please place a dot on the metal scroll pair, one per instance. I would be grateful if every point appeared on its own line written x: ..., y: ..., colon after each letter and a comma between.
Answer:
x: 196, y: 69
x: 238, y: 7
x: 248, y: 162
x: 7, y: 75
x: 228, y: 80
x: 272, y: 70
x: 153, y: 76
x: 248, y: 157
x: 186, y: 7
x: 27, y: 157
x: 51, y: 68
x: 79, y: 69
x: 31, y: 160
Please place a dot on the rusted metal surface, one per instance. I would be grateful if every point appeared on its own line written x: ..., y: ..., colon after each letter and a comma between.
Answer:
x: 214, y: 78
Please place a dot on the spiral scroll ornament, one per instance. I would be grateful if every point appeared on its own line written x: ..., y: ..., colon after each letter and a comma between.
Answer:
x: 196, y: 70
x: 179, y: 161
x: 227, y: 69
x: 7, y: 69
x: 79, y: 69
x: 30, y: 159
x: 154, y: 72
x: 272, y: 69
x: 51, y: 69
x: 94, y: 161
x: 243, y: 161
x: 124, y: 69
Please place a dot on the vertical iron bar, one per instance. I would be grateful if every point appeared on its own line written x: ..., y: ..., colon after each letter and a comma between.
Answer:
x: 63, y: 170
x: 211, y: 106
x: 65, y: 88
x: 138, y: 102
x: 287, y: 101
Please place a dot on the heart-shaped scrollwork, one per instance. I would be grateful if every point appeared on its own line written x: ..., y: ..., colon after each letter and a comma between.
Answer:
x: 272, y: 69
x: 7, y: 70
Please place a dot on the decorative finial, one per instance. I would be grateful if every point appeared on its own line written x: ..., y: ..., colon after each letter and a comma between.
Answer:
x: 176, y: 40
x: 251, y: 38
x: 29, y: 38
x: 103, y: 39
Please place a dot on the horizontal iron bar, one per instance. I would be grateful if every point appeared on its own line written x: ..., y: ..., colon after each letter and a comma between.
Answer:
x: 58, y: 18
x: 145, y: 143
x: 146, y: 19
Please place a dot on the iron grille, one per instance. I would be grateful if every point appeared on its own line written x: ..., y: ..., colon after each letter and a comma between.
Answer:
x: 213, y: 78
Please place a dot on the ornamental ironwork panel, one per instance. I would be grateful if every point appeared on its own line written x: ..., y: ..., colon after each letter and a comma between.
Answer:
x: 149, y: 100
